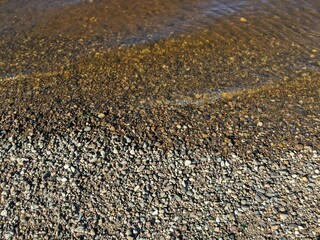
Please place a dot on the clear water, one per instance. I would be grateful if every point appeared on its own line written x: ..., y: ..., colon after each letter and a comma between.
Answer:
x: 252, y: 42
x: 133, y: 21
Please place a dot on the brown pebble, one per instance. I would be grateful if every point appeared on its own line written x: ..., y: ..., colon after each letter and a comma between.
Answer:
x: 233, y: 228
x: 168, y: 188
x: 242, y: 19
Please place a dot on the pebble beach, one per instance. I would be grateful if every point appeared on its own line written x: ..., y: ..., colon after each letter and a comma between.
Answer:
x: 197, y: 136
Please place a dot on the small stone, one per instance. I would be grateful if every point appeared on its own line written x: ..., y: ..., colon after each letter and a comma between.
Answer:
x: 4, y: 213
x: 140, y: 169
x: 8, y: 235
x: 205, y: 135
x: 258, y: 198
x: 283, y: 216
x: 63, y: 179
x: 245, y: 208
x: 274, y: 227
x: 67, y: 166
x: 233, y: 228
x: 79, y: 229
x: 189, y: 193
x: 260, y: 124
x: 132, y: 152
x: 101, y: 115
x: 129, y: 232
x: 168, y: 188
x: 307, y: 148
x: 87, y: 129
x: 242, y: 19
x: 198, y: 96
x: 270, y: 194
x: 46, y: 175
x: 178, y: 198
x: 282, y: 209
x: 293, y: 226
x: 187, y: 163
x: 317, y: 230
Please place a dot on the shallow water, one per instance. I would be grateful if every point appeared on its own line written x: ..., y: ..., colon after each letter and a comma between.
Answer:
x: 201, y: 46
x: 134, y: 21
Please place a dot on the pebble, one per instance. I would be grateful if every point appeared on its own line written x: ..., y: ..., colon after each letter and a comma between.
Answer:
x: 168, y: 188
x: 8, y: 235
x: 307, y: 148
x: 62, y: 179
x: 283, y: 216
x: 242, y: 19
x: 101, y: 115
x: 187, y: 163
x: 46, y: 175
x: 132, y: 152
x: 233, y: 228
x: 178, y: 198
x: 129, y: 232
x: 4, y: 213
x: 87, y: 129
x: 258, y: 198
x: 79, y: 229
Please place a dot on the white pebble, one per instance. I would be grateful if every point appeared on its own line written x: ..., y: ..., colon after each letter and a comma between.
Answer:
x: 4, y: 213
x: 187, y: 163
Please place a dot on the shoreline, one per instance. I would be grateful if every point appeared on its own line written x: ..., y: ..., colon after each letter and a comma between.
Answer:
x: 93, y: 144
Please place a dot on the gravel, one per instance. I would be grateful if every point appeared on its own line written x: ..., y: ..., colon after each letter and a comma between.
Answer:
x: 145, y: 143
x: 92, y: 182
